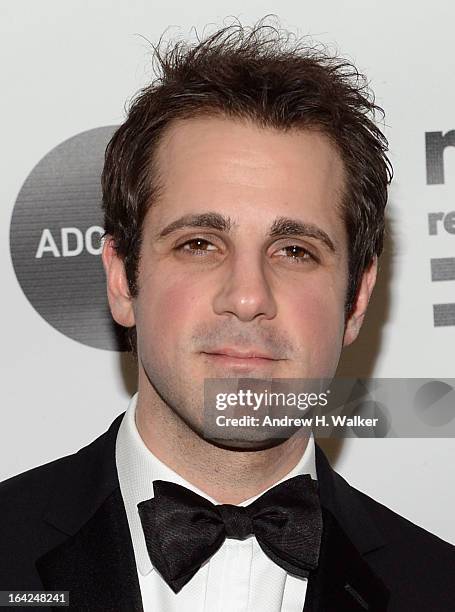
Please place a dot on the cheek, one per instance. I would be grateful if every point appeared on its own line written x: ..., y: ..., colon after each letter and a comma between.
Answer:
x: 318, y: 298
x: 167, y: 310
x: 316, y: 314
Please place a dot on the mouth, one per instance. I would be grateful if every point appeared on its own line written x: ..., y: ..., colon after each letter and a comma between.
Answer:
x: 240, y: 360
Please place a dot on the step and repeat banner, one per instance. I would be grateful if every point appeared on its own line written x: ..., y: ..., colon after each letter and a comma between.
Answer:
x: 67, y: 71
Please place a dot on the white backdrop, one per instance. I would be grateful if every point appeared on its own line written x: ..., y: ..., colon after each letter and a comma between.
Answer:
x: 69, y: 67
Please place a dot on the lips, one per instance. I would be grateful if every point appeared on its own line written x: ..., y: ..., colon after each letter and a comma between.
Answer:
x: 239, y: 354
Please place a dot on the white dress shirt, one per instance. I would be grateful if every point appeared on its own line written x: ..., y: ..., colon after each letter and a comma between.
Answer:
x: 239, y: 577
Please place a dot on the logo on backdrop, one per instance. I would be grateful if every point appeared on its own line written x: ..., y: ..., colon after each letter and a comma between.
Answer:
x: 440, y: 222
x: 55, y: 241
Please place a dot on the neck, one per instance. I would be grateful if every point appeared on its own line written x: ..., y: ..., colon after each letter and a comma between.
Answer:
x: 228, y: 476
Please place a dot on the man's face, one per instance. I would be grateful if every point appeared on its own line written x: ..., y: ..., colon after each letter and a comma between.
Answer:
x: 244, y: 253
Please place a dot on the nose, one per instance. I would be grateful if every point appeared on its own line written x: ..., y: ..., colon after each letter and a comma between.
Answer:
x: 245, y: 291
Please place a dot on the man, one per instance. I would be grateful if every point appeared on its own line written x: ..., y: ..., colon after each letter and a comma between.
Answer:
x: 244, y: 206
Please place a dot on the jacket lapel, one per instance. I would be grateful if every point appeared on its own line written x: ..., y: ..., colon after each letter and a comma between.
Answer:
x: 343, y: 580
x: 94, y: 560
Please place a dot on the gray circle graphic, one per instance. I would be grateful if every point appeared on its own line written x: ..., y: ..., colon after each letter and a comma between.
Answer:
x: 434, y: 403
x: 55, y: 241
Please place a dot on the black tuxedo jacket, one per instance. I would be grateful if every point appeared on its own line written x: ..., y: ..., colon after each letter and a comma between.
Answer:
x: 63, y: 526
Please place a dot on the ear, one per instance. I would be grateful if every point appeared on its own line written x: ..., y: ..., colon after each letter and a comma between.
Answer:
x: 120, y: 301
x: 355, y: 320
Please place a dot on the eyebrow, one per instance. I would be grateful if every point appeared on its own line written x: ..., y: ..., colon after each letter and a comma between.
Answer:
x: 293, y: 227
x: 209, y: 220
x: 282, y: 226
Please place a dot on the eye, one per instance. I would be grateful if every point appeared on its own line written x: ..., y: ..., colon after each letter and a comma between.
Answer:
x: 297, y: 254
x: 196, y: 246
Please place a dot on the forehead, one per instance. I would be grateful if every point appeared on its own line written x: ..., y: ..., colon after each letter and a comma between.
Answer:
x: 238, y: 167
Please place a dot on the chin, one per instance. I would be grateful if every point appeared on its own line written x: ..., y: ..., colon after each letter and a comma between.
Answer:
x: 247, y: 443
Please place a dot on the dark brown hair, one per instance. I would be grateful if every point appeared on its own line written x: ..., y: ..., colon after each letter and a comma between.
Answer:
x: 275, y: 80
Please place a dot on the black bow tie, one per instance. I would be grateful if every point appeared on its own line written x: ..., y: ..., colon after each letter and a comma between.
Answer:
x: 182, y: 529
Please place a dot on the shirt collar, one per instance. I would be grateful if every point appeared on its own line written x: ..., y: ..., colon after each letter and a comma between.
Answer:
x: 138, y: 467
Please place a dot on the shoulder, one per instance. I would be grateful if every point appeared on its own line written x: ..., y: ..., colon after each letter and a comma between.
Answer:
x: 416, y: 565
x: 398, y: 530
x: 369, y: 522
x: 24, y: 501
x: 24, y: 497
x: 24, y: 534
x: 17, y: 492
x: 40, y: 507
